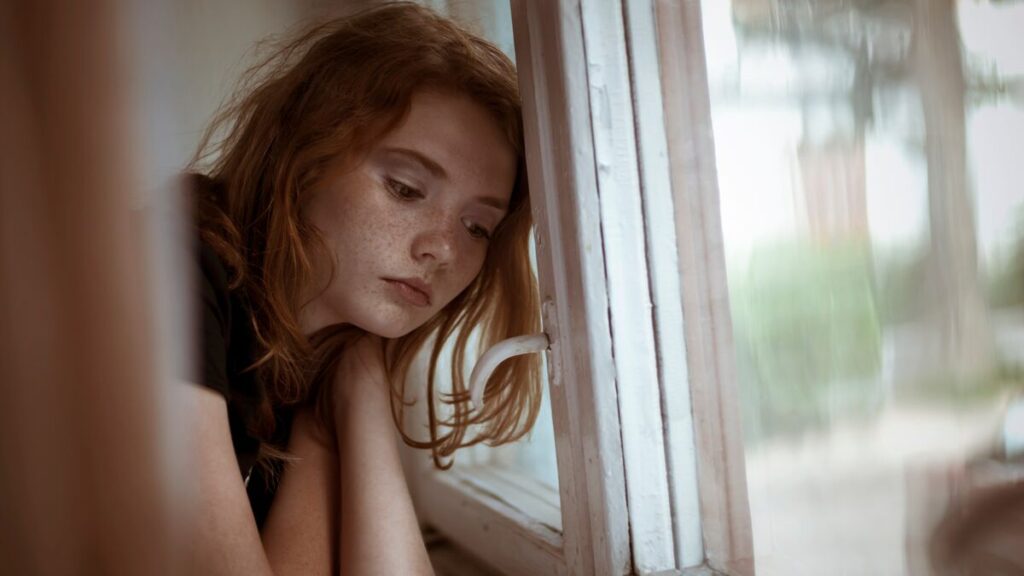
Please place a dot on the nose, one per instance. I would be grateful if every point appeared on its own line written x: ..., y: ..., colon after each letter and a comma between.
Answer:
x: 436, y: 244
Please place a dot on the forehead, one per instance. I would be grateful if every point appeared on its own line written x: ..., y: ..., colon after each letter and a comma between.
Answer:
x: 460, y: 135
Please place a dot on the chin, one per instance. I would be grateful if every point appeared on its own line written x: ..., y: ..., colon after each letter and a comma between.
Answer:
x: 387, y: 332
x: 388, y: 325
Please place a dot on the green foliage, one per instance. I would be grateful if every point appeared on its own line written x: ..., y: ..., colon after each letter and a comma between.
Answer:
x: 807, y: 335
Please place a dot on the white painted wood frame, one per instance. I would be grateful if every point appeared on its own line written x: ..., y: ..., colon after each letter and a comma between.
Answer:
x: 617, y: 157
x: 663, y: 263
x: 562, y: 156
x: 725, y: 510
x: 506, y: 528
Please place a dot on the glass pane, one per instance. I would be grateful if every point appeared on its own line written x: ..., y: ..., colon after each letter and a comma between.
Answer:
x: 534, y: 455
x: 868, y: 160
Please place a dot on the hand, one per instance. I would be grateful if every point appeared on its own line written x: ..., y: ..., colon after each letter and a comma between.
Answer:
x: 361, y: 379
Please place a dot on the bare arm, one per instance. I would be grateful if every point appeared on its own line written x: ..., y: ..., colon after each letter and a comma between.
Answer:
x: 224, y: 538
x: 297, y: 536
x: 300, y: 533
x: 379, y: 531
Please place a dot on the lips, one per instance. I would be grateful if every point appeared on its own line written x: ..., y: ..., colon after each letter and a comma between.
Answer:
x: 412, y: 290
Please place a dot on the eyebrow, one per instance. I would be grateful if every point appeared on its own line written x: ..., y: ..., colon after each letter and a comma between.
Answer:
x: 492, y: 202
x: 440, y: 173
x: 427, y: 162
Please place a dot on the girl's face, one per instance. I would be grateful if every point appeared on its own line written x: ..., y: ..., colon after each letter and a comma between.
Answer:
x: 408, y: 227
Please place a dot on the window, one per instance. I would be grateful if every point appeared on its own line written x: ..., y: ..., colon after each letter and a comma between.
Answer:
x: 627, y: 499
x: 502, y: 503
x: 779, y: 249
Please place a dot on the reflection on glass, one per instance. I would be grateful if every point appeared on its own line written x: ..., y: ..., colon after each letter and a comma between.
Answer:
x: 869, y: 172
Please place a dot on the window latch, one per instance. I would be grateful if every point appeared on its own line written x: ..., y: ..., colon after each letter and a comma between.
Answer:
x: 529, y: 344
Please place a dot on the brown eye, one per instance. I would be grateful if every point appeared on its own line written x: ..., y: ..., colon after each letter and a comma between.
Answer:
x: 401, y: 190
x: 475, y: 230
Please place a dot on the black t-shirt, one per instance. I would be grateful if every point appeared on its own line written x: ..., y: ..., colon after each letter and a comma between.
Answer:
x: 228, y: 348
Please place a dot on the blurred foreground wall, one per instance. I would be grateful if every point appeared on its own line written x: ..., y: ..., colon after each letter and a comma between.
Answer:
x: 79, y: 482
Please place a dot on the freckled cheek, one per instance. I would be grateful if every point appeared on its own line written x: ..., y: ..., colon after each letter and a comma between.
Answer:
x: 395, y: 230
x: 385, y: 238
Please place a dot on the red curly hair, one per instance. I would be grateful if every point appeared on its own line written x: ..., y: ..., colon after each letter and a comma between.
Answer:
x: 331, y: 93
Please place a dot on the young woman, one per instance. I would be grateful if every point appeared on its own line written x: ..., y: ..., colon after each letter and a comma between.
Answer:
x: 364, y: 198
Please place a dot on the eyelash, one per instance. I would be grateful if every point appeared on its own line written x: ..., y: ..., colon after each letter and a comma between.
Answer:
x: 401, y: 190
x: 406, y: 193
x: 476, y: 231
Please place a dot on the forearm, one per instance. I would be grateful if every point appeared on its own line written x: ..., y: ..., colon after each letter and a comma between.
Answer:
x: 379, y: 530
x: 300, y: 534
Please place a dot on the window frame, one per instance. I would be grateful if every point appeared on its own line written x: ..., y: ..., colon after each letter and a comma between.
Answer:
x: 647, y: 430
x: 718, y: 431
